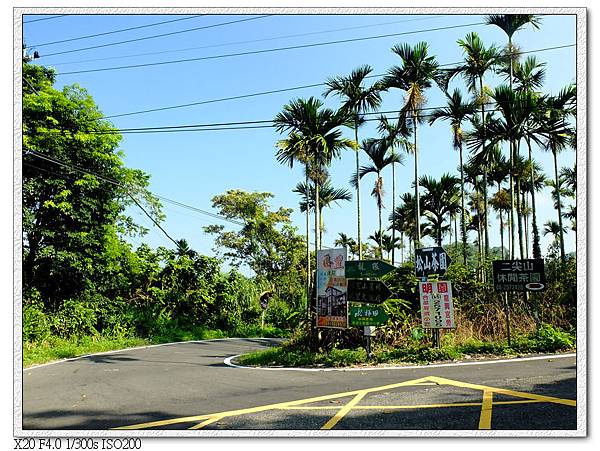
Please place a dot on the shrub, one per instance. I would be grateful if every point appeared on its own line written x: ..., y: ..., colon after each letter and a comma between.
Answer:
x: 36, y: 324
x: 74, y: 319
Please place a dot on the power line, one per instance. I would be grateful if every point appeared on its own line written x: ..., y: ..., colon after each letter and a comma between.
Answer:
x: 243, y: 42
x: 117, y: 183
x: 295, y: 88
x: 46, y: 18
x: 155, y: 36
x: 105, y: 179
x: 115, y: 31
x: 255, y: 52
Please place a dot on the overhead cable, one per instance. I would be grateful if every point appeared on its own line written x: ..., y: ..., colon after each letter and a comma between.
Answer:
x: 154, y: 36
x: 122, y: 30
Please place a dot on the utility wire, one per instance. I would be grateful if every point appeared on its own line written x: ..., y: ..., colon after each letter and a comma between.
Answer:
x: 243, y: 42
x: 155, y: 36
x: 259, y: 123
x: 117, y: 183
x: 255, y: 52
x: 295, y: 88
x: 46, y: 18
x: 114, y: 182
x: 115, y: 31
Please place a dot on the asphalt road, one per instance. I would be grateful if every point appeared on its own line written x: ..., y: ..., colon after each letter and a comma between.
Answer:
x: 187, y: 386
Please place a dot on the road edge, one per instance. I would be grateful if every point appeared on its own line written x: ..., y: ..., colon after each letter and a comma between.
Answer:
x: 228, y: 362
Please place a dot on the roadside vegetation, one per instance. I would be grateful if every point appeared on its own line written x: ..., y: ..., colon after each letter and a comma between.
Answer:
x: 88, y: 288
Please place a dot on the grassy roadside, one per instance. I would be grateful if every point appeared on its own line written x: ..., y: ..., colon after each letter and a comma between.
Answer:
x: 55, y: 348
x: 547, y: 341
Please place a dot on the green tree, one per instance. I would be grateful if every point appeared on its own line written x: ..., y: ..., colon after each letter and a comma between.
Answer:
x: 395, y: 135
x: 414, y: 76
x: 378, y: 152
x: 356, y: 100
x: 456, y: 112
x: 478, y: 61
x: 348, y: 242
x: 510, y: 24
x: 328, y: 195
x: 267, y: 242
x: 75, y: 190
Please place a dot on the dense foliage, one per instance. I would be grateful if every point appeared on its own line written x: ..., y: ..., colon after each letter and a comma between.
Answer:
x: 81, y: 275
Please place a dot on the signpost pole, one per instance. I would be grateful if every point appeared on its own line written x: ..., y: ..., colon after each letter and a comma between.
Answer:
x: 368, y: 332
x: 507, y: 312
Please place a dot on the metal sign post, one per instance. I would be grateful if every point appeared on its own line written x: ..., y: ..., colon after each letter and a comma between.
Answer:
x: 369, y: 293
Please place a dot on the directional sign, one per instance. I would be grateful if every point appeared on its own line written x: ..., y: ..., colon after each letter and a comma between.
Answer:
x: 368, y: 315
x: 369, y: 291
x: 519, y: 275
x: 357, y: 269
x: 430, y: 261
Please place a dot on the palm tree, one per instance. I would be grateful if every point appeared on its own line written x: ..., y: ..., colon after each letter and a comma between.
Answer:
x: 558, y: 136
x: 345, y: 241
x: 315, y: 140
x: 403, y: 218
x: 378, y: 152
x: 478, y: 61
x: 516, y: 112
x: 184, y: 249
x: 529, y: 77
x: 456, y: 112
x: 357, y: 99
x: 328, y: 195
x: 395, y: 135
x: 500, y: 202
x: 568, y: 178
x: 556, y: 230
x: 436, y: 201
x: 510, y: 24
x: 414, y: 76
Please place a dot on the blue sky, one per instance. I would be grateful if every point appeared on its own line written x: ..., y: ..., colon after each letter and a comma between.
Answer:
x: 192, y: 167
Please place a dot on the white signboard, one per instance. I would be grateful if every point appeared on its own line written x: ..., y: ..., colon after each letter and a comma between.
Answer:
x: 332, y: 304
x: 437, y: 311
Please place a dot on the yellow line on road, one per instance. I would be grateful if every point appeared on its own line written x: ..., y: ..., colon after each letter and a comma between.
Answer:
x: 422, y: 406
x: 485, y: 419
x: 152, y: 424
x: 271, y: 406
x: 206, y: 423
x: 486, y: 405
x: 504, y: 391
x: 344, y: 410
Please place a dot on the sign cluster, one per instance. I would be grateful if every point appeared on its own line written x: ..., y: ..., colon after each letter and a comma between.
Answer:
x: 367, y: 292
x: 437, y: 311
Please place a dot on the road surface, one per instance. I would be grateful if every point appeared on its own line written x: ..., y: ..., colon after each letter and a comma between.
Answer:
x: 188, y: 386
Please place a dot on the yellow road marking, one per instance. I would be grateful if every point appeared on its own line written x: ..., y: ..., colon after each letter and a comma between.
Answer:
x: 165, y: 422
x: 271, y: 406
x: 504, y: 391
x: 485, y: 419
x: 344, y: 410
x: 205, y: 423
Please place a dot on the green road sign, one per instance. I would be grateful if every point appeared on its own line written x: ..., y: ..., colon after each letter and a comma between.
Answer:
x: 368, y: 315
x: 357, y: 269
x: 368, y: 291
